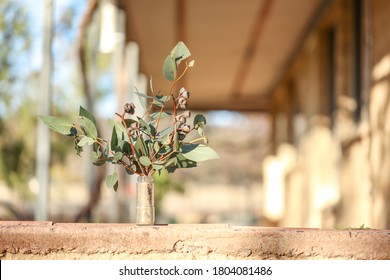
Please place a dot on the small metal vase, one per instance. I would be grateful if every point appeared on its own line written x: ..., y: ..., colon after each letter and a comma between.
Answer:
x: 145, y: 214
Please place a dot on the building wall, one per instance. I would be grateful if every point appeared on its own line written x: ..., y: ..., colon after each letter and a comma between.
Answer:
x: 341, y: 120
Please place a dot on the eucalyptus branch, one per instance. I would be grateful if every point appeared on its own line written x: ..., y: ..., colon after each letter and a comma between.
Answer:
x: 122, y: 117
x: 137, y: 144
x: 128, y: 167
x: 136, y: 158
x: 159, y: 117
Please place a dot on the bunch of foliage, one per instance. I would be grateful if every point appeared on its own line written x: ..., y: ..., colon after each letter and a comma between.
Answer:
x: 137, y: 142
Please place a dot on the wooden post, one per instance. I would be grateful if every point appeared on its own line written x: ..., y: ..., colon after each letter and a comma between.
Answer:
x: 43, y: 133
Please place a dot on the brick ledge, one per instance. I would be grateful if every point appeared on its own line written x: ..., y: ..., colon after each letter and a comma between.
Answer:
x: 48, y: 240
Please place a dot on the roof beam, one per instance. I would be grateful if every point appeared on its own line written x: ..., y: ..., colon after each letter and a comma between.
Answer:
x: 311, y: 25
x: 250, y: 49
x: 181, y: 26
x: 254, y: 103
x: 242, y: 106
x: 181, y: 20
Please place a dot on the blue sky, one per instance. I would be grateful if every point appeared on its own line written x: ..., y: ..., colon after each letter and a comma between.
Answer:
x: 35, y: 10
x: 27, y: 64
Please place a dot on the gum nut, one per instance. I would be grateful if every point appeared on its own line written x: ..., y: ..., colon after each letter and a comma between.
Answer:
x: 181, y: 128
x: 129, y: 108
x: 183, y: 106
x: 181, y: 137
x: 180, y: 119
x: 186, y: 94
x: 182, y: 90
x: 182, y: 100
x: 186, y: 114
x: 185, y: 128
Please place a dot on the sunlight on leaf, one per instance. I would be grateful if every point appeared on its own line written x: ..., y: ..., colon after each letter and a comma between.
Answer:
x: 145, y: 161
x: 84, y: 113
x: 88, y: 127
x: 85, y: 140
x: 60, y: 125
x: 198, y: 152
x: 112, y: 181
x: 169, y: 69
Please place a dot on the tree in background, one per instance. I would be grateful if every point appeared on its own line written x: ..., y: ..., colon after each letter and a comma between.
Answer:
x: 19, y: 85
x: 16, y: 150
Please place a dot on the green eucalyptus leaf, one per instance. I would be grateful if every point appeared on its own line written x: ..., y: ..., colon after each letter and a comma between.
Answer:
x: 78, y: 149
x: 149, y: 144
x: 145, y: 161
x: 118, y: 156
x: 100, y: 161
x: 171, y: 169
x: 85, y: 140
x: 106, y: 150
x: 157, y: 166
x: 140, y: 147
x: 172, y: 161
x: 112, y: 181
x: 128, y: 122
x: 180, y: 162
x: 96, y: 152
x: 165, y: 132
x: 160, y: 100
x: 180, y: 52
x: 160, y: 115
x: 85, y: 113
x: 114, y: 139
x: 152, y: 128
x: 96, y: 147
x: 165, y: 149
x: 142, y: 98
x: 198, y: 152
x: 120, y: 130
x: 126, y: 148
x: 60, y: 125
x: 199, y: 120
x: 147, y: 127
x: 156, y: 147
x: 169, y: 68
x: 144, y: 125
x: 166, y: 139
x: 95, y: 155
x: 183, y: 162
x: 200, y: 130
x: 140, y: 94
x: 88, y: 127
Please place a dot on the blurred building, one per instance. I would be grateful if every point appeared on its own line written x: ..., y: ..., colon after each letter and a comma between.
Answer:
x: 320, y: 68
x: 334, y: 103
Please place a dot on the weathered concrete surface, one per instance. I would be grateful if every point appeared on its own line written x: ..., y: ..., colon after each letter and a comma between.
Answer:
x: 47, y: 240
